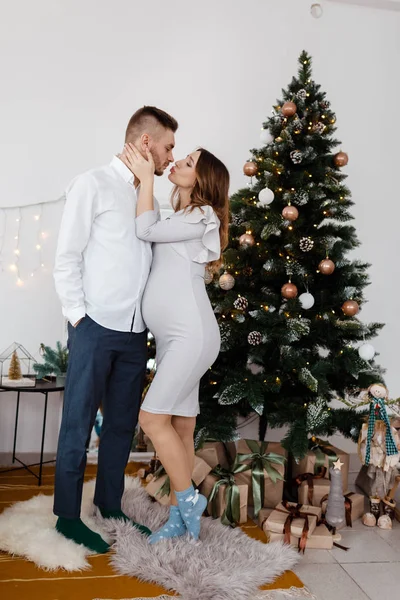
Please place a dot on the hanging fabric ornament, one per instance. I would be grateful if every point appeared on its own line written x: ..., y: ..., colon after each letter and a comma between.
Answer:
x: 289, y: 290
x: 290, y: 213
x: 326, y: 266
x: 241, y: 303
x: 265, y: 197
x: 208, y: 276
x: 341, y: 159
x: 254, y: 338
x: 306, y: 244
x: 246, y: 240
x: 296, y: 157
x: 289, y: 109
x: 306, y: 300
x: 250, y: 169
x: 350, y: 308
x: 266, y: 137
x: 366, y: 352
x: 226, y: 281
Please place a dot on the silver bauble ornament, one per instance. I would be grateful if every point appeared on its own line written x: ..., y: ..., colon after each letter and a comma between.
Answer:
x: 306, y: 300
x: 226, y: 281
x: 265, y: 197
x: 366, y: 351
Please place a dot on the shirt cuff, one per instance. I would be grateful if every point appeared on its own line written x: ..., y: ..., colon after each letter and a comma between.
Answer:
x: 74, y: 314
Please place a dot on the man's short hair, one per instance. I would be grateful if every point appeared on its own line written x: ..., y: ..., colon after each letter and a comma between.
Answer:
x: 146, y: 117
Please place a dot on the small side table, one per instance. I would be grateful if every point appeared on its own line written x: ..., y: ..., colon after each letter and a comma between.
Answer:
x: 42, y: 387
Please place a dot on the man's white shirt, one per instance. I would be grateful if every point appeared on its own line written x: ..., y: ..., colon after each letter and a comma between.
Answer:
x: 101, y: 267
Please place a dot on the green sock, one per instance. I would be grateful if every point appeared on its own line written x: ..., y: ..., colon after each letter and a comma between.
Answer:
x: 118, y: 514
x: 76, y: 530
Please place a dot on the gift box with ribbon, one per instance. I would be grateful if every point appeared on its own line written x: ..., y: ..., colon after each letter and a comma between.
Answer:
x: 321, y: 539
x: 293, y: 519
x: 261, y: 465
x: 227, y: 499
x: 160, y: 487
x: 353, y: 503
x: 312, y: 488
x: 321, y: 454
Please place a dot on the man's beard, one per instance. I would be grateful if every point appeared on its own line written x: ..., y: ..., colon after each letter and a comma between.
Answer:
x: 158, y: 170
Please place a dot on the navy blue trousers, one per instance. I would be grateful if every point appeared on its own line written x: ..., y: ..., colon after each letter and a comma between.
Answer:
x: 104, y: 366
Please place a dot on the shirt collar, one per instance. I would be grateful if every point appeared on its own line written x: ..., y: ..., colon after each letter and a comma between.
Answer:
x: 122, y: 170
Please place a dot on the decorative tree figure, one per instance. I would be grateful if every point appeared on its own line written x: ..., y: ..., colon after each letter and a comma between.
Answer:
x: 335, y: 510
x: 288, y: 300
x: 14, y: 372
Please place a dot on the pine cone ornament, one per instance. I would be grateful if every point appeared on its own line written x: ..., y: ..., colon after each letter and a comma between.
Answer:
x: 302, y: 94
x: 241, y: 303
x: 301, y: 198
x: 325, y: 104
x: 306, y: 244
x: 296, y: 157
x: 236, y: 219
x: 297, y: 125
x: 319, y: 128
x: 248, y: 271
x: 254, y: 338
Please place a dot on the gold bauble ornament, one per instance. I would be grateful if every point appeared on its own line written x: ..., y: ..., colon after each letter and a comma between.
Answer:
x: 341, y: 159
x: 289, y: 290
x: 226, y: 281
x: 246, y: 240
x: 250, y: 168
x: 289, y: 109
x: 290, y: 213
x: 326, y: 266
x: 350, y: 308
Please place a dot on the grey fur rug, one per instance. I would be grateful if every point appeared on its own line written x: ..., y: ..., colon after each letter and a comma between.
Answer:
x: 225, y: 565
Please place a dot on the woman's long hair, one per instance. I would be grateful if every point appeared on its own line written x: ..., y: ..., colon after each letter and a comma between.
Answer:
x: 211, y: 188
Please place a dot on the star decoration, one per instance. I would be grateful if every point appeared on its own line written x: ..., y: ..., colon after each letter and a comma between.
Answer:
x: 338, y: 465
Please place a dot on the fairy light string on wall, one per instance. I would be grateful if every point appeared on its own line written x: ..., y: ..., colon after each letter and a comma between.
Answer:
x: 14, y: 220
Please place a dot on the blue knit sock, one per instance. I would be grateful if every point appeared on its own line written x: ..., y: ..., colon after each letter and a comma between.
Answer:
x: 191, y: 505
x: 174, y: 527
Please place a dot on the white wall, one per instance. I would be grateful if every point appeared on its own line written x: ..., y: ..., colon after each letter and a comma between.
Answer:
x: 74, y: 71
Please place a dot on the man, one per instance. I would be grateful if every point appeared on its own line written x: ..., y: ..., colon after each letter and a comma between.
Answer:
x: 101, y: 270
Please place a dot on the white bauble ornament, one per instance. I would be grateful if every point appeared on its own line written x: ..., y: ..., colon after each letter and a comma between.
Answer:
x: 265, y: 197
x: 366, y: 351
x: 266, y: 137
x: 226, y: 281
x: 307, y: 300
x: 316, y: 10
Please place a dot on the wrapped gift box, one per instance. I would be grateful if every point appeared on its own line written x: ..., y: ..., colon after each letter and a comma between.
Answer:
x: 214, y: 453
x: 200, y: 471
x: 321, y: 539
x: 356, y: 506
x: 276, y: 520
x: 320, y: 488
x: 273, y: 492
x: 221, y: 498
x: 309, y: 464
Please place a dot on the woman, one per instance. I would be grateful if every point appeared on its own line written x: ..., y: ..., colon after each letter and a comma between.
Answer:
x: 178, y: 312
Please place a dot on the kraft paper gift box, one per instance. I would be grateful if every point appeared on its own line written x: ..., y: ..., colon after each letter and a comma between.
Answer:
x: 277, y: 519
x: 219, y: 504
x: 200, y: 471
x: 321, y: 539
x: 273, y: 492
x: 354, y: 504
x: 214, y: 453
x: 320, y: 488
x: 310, y: 463
x: 263, y: 516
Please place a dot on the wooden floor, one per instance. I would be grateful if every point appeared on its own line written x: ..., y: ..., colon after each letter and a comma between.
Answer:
x: 22, y: 580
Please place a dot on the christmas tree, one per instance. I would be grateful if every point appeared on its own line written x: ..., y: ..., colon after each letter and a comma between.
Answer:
x: 14, y: 371
x: 288, y: 300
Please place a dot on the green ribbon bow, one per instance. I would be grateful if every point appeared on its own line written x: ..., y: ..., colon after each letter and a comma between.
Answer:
x: 231, y: 514
x: 260, y: 461
x: 321, y: 449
